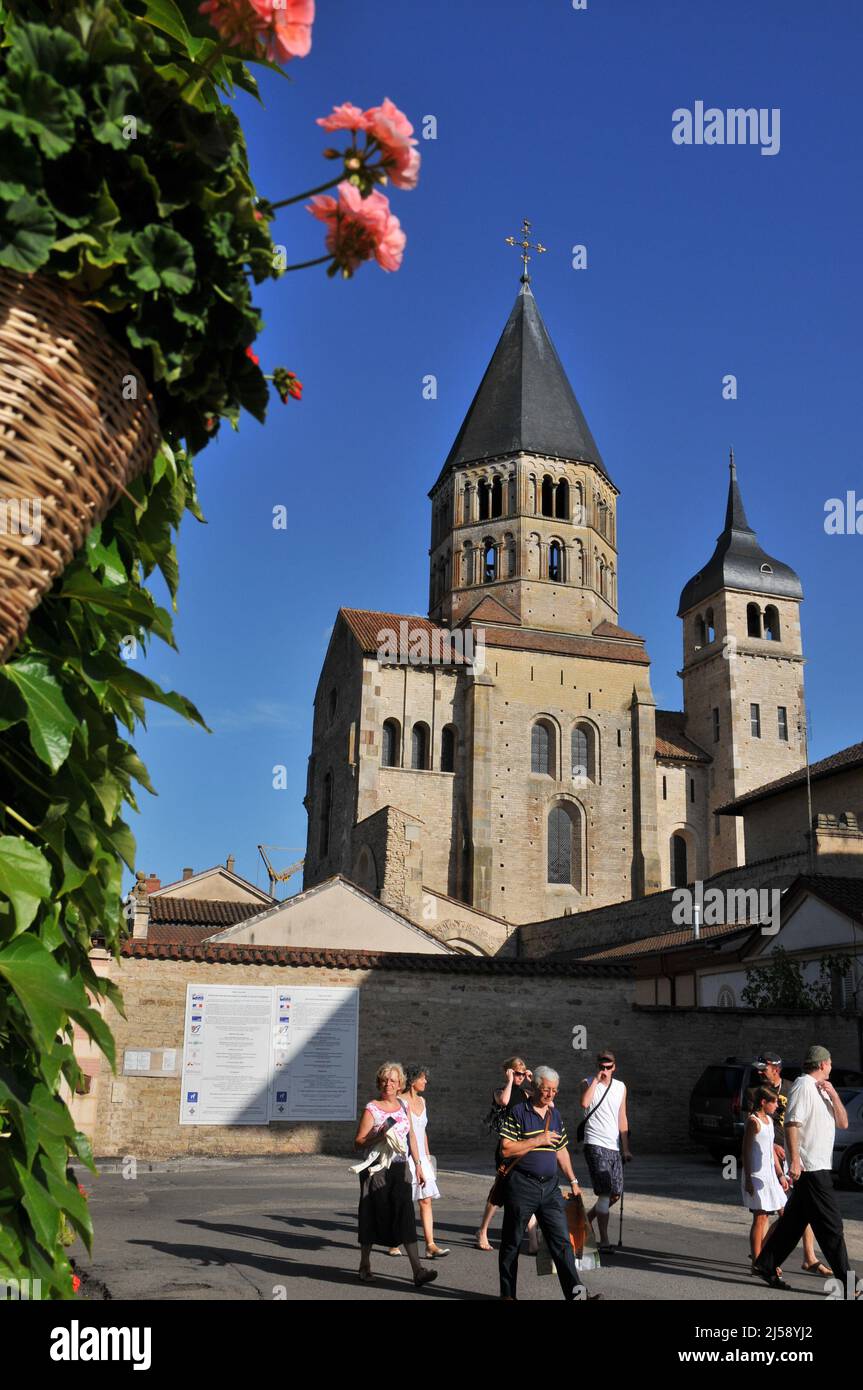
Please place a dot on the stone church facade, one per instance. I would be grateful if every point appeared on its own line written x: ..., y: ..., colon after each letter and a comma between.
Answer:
x: 505, y: 752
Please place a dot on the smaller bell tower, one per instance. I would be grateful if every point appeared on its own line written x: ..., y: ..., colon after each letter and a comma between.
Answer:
x: 742, y: 672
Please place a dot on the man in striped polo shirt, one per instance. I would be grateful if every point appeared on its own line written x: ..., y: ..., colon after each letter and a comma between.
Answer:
x: 534, y: 1134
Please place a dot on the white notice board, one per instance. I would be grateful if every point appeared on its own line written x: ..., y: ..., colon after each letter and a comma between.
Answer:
x: 253, y: 1053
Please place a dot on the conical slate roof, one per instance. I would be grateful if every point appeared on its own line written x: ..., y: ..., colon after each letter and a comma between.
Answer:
x: 525, y: 402
x: 738, y: 562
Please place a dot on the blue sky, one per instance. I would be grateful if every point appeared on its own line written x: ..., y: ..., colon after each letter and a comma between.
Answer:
x: 702, y: 261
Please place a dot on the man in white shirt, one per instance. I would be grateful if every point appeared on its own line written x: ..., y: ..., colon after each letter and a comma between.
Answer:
x: 813, y: 1113
x: 606, y: 1139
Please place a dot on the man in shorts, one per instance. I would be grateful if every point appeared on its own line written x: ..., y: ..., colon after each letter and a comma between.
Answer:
x: 606, y: 1139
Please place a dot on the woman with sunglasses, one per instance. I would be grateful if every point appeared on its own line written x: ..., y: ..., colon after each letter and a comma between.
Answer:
x: 516, y: 1088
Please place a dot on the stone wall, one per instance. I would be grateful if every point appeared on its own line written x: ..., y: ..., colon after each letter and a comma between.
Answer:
x: 461, y: 1019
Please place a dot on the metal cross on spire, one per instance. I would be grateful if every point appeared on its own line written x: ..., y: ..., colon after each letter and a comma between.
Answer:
x: 526, y: 247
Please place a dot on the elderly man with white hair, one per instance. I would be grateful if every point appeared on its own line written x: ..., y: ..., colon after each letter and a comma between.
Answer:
x: 534, y: 1146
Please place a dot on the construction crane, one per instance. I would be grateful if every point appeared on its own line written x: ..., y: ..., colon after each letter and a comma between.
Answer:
x: 279, y: 875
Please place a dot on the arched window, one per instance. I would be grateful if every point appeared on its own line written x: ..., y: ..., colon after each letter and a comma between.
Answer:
x: 420, y: 746
x: 555, y: 563
x: 753, y: 620
x: 578, y: 508
x: 447, y: 749
x: 365, y: 870
x: 509, y: 551
x: 564, y: 846
x: 390, y: 744
x: 497, y: 497
x: 326, y: 814
x: 679, y: 864
x: 700, y: 632
x: 489, y: 563
x: 542, y: 748
x: 484, y: 496
x: 709, y: 624
x: 467, y: 565
x: 531, y: 494
x: 547, y: 496
x: 583, y: 753
x: 561, y: 500
x: 771, y: 624
x: 467, y: 503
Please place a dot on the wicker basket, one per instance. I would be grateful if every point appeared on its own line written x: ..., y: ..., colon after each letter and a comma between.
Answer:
x: 69, y: 441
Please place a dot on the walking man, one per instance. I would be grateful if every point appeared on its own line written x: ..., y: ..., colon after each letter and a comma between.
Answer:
x: 534, y: 1135
x: 813, y: 1113
x: 769, y: 1069
x: 606, y: 1139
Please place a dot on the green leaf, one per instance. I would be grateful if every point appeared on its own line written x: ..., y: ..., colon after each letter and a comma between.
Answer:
x: 39, y: 1205
x: 43, y: 111
x: 41, y: 984
x: 25, y: 878
x: 49, y: 719
x: 27, y: 230
x: 165, y: 15
x: 165, y: 259
x: 130, y: 603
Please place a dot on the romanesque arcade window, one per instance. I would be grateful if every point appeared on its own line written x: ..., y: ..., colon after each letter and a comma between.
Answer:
x: 753, y: 620
x: 771, y: 623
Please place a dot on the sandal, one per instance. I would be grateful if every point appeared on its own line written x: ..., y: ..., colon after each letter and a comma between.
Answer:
x: 425, y: 1276
x: 817, y: 1268
x: 394, y: 1250
x: 773, y: 1281
x: 436, y: 1252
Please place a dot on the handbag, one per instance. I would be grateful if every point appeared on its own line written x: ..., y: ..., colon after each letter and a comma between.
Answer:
x: 579, y: 1133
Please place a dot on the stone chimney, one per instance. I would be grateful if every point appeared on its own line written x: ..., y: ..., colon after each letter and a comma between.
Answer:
x: 137, y: 907
x: 187, y: 873
x: 229, y: 863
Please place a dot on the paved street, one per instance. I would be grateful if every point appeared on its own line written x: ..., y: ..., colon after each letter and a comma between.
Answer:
x: 287, y: 1228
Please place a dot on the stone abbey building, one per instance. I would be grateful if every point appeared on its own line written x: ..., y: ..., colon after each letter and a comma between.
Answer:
x: 505, y: 753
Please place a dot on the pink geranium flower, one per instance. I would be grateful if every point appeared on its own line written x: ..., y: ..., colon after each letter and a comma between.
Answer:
x: 344, y: 117
x: 360, y: 229
x: 282, y: 29
x: 393, y: 132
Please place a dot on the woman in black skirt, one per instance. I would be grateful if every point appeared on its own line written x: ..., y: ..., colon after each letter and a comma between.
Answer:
x: 386, y: 1211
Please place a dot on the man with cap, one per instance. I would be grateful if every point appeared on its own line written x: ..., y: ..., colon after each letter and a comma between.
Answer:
x: 814, y: 1110
x: 769, y: 1070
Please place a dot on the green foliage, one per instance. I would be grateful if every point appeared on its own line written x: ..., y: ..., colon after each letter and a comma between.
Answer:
x: 779, y: 984
x: 65, y: 775
x: 125, y: 175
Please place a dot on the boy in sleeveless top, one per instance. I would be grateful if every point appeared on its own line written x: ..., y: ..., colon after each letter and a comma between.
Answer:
x: 606, y: 1139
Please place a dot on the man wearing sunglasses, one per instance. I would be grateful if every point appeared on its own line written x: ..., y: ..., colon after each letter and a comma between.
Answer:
x: 606, y: 1139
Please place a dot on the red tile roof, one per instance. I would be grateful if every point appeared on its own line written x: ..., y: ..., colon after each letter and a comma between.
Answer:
x: 671, y: 740
x: 210, y: 953
x: 202, y: 912
x: 669, y: 941
x: 368, y: 626
x: 607, y: 629
x: 846, y: 760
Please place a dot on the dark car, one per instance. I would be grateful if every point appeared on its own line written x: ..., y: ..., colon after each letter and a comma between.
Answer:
x: 717, y: 1106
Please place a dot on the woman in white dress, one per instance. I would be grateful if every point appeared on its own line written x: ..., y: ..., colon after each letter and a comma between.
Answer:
x: 762, y: 1180
x: 425, y: 1192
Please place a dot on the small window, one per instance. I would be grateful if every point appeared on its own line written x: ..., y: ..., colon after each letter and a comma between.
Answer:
x: 679, y: 865
x: 755, y: 720
x: 665, y: 788
x: 554, y: 563
x: 419, y: 746
x: 326, y: 814
x: 390, y: 744
x: 772, y: 629
x: 692, y: 789
x: 489, y: 572
x: 447, y: 749
x: 766, y: 569
x: 541, y: 749
x: 715, y: 725
x: 716, y: 824
x: 753, y: 620
x: 782, y: 713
